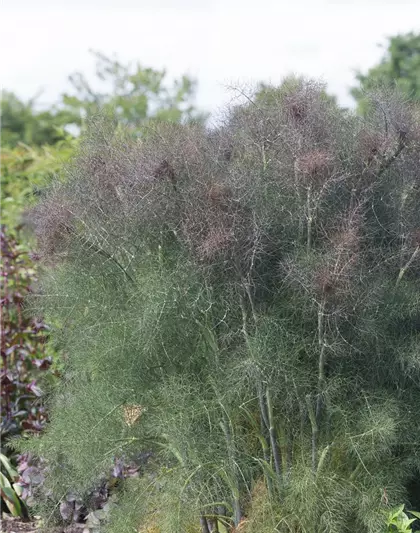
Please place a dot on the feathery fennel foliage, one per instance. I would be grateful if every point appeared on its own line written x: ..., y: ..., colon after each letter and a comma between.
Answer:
x: 252, y: 293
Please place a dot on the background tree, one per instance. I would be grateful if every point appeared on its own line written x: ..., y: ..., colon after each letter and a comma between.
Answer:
x: 400, y: 67
x: 135, y: 94
x: 21, y: 122
x: 266, y: 92
x: 132, y: 93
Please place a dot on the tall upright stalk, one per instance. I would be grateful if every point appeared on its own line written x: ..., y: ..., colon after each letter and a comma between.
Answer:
x: 314, y: 427
x: 264, y: 428
x: 309, y: 221
x: 273, y: 435
x: 404, y: 269
x: 321, y: 359
x: 237, y: 513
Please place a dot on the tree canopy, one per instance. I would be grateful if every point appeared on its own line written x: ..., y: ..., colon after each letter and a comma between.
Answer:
x: 21, y: 122
x: 399, y: 67
x: 133, y: 93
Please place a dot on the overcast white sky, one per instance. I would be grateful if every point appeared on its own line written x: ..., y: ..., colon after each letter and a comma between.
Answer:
x: 218, y: 42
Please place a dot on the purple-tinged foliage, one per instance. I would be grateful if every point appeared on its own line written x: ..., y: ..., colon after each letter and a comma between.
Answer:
x: 22, y: 344
x: 243, y: 302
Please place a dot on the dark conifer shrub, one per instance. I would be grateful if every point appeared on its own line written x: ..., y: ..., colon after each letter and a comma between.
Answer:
x: 244, y: 304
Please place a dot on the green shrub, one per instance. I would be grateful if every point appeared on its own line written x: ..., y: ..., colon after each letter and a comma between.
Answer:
x: 242, y: 303
x: 25, y: 171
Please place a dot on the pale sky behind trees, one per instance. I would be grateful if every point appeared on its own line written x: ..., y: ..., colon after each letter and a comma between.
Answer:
x: 218, y: 42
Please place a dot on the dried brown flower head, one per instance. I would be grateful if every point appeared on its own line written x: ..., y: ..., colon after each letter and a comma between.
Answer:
x: 219, y: 194
x: 325, y: 282
x: 297, y: 107
x: 216, y: 241
x: 372, y: 145
x: 415, y: 237
x: 132, y: 413
x: 165, y: 171
x: 347, y: 239
x: 314, y: 166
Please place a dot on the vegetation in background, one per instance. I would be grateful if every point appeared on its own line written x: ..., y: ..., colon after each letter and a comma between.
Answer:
x: 21, y: 122
x: 134, y: 94
x: 400, y: 67
x: 25, y: 171
x: 242, y: 304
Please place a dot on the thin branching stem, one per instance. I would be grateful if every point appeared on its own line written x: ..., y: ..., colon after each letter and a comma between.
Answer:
x: 404, y: 269
x: 273, y: 435
x: 309, y: 217
x: 314, y: 429
x: 237, y: 513
x: 321, y: 359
